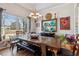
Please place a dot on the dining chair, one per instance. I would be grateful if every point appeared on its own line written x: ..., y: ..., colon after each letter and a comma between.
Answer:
x: 63, y: 51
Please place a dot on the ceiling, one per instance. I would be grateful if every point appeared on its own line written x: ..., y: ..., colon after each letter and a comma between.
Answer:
x: 23, y: 9
x: 38, y: 6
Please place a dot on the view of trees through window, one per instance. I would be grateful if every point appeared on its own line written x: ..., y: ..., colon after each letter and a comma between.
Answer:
x: 12, y: 25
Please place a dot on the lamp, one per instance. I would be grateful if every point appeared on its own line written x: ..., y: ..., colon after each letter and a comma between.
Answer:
x: 35, y: 14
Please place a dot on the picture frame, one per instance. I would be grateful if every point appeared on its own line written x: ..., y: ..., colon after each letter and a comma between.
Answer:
x: 51, y: 25
x: 65, y: 23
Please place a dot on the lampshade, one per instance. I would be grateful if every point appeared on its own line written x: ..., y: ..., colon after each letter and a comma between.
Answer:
x: 35, y: 14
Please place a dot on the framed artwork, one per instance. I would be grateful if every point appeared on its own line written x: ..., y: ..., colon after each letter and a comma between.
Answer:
x: 65, y: 23
x: 49, y: 25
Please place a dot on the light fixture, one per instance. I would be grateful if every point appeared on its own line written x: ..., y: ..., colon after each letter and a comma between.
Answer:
x: 34, y: 14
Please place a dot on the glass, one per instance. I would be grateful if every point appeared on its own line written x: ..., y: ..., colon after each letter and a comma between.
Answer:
x: 11, y: 24
x: 8, y: 25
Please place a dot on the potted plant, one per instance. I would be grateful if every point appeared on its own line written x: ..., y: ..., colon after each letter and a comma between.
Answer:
x: 62, y: 40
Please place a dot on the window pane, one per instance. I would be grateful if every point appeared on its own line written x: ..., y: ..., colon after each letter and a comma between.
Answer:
x: 12, y: 24
x: 8, y: 25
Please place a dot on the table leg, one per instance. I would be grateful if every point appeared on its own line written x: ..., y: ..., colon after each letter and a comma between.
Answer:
x: 77, y: 52
x: 12, y: 47
x: 55, y: 51
x: 43, y: 49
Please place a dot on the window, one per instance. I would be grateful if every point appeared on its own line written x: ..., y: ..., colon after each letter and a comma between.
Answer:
x: 12, y: 24
x: 8, y: 25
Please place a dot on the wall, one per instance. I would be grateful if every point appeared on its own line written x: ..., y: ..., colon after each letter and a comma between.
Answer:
x: 78, y: 20
x: 33, y: 25
x: 62, y: 11
x: 38, y: 28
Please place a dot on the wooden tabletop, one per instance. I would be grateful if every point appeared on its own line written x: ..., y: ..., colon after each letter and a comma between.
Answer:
x: 48, y: 42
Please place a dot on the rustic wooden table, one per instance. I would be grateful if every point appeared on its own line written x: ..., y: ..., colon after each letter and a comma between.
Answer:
x: 53, y: 43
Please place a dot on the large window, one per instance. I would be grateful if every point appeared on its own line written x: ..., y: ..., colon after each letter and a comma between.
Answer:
x: 13, y: 25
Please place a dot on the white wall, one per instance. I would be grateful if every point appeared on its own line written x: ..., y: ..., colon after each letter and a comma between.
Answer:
x: 39, y: 29
x: 62, y: 11
x: 78, y: 20
x: 33, y: 26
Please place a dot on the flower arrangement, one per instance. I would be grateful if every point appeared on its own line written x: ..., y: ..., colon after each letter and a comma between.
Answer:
x: 70, y: 38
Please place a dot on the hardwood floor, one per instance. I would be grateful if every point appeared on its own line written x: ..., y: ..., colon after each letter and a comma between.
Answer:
x: 8, y: 52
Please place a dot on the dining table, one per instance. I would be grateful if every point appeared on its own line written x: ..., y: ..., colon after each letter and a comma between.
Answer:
x: 51, y: 42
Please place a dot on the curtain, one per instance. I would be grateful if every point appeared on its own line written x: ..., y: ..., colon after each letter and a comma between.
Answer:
x: 1, y: 10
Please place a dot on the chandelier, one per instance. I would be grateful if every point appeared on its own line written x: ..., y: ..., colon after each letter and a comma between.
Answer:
x: 34, y: 14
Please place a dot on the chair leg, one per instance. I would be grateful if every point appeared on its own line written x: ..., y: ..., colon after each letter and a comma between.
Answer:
x: 77, y: 52
x: 55, y: 51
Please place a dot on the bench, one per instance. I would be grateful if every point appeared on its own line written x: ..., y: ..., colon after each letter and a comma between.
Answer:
x: 32, y: 48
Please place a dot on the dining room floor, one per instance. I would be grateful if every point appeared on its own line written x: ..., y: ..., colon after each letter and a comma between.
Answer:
x: 8, y: 52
